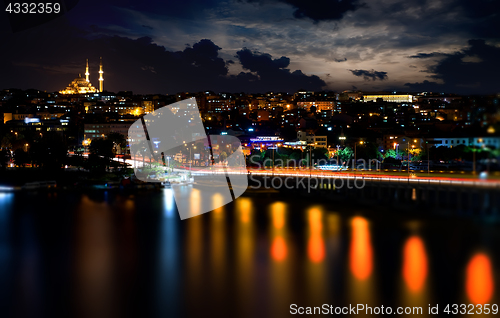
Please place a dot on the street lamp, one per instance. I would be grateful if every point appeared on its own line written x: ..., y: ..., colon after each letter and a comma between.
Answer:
x: 428, y: 158
x: 338, y: 150
x: 310, y: 161
x: 190, y: 158
x: 408, y: 148
x: 272, y: 148
x: 168, y: 167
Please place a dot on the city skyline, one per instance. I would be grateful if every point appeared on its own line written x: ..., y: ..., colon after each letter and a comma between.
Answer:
x: 258, y: 46
x: 249, y: 158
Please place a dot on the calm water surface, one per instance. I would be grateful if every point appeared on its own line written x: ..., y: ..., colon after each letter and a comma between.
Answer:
x: 112, y: 254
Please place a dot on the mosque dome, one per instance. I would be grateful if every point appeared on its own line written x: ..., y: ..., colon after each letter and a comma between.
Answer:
x: 81, y: 85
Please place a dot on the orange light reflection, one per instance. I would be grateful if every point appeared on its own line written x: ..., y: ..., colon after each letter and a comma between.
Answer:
x: 479, y: 279
x: 361, y: 255
x: 278, y: 249
x: 278, y: 245
x: 414, y: 264
x: 217, y: 203
x: 316, y: 245
x: 278, y: 211
x: 245, y: 207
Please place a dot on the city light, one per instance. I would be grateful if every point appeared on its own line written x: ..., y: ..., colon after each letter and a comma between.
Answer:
x: 315, y: 221
x: 479, y: 279
x: 415, y: 265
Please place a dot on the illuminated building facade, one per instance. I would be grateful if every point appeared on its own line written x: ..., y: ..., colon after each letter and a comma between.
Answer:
x: 392, y: 98
x: 102, y: 130
x: 320, y: 105
x: 82, y: 85
x: 265, y: 142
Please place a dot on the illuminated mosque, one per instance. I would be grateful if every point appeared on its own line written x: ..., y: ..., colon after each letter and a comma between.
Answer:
x: 82, y: 85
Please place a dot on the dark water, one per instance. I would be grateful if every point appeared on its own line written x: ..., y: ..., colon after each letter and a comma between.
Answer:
x: 108, y: 254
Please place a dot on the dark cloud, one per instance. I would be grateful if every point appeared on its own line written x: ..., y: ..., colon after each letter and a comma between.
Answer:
x: 261, y: 62
x: 319, y: 10
x: 323, y: 9
x: 370, y: 75
x: 139, y: 65
x: 378, y: 31
x: 425, y: 86
x: 427, y: 55
x: 483, y: 15
x: 271, y: 72
x: 475, y: 69
x: 205, y: 55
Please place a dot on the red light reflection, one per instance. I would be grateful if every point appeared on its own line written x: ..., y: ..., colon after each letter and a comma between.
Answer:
x: 479, y: 279
x: 278, y: 249
x: 316, y: 246
x: 414, y: 264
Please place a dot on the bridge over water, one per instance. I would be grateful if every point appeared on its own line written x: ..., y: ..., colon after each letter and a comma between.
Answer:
x: 443, y: 195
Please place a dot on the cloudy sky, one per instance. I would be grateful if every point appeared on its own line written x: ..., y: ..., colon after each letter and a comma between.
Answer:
x: 261, y: 45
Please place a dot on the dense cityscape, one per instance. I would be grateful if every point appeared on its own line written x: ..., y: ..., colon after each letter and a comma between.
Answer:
x: 249, y: 158
x: 441, y: 132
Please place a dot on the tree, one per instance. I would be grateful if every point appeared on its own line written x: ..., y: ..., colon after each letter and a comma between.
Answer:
x: 223, y: 156
x: 6, y: 141
x: 49, y: 152
x: 255, y: 157
x: 101, y: 147
x: 142, y: 150
x: 346, y: 154
x: 368, y: 151
x: 415, y: 154
x: 21, y: 157
x: 320, y: 154
x: 394, y: 154
x: 296, y: 155
x: 118, y: 140
x: 4, y: 158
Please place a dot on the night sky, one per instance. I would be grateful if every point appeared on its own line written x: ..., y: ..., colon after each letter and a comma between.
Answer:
x: 262, y: 45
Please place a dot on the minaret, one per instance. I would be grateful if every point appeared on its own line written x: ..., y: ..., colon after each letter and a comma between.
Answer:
x: 101, y: 80
x: 87, y: 71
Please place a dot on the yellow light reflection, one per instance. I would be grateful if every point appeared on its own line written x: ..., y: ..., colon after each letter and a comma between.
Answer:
x: 218, y: 248
x: 280, y: 254
x: 361, y: 255
x: 333, y: 221
x: 217, y: 203
x: 195, y: 201
x: 479, y: 279
x: 95, y: 257
x: 315, y: 220
x: 278, y: 246
x: 245, y: 251
x: 278, y: 210
x: 315, y: 264
x: 316, y: 245
x: 245, y: 208
x: 414, y: 264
